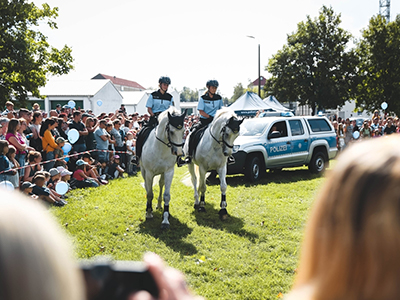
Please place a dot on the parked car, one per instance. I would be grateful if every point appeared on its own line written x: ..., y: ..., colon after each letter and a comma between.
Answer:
x: 283, y: 142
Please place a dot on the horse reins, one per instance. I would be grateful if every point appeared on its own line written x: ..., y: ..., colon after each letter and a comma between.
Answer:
x: 222, y: 141
x: 170, y: 143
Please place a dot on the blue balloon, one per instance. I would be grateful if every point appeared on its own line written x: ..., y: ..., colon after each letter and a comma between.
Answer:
x: 61, y: 187
x: 66, y: 148
x: 73, y: 136
x: 71, y: 103
x: 7, y: 185
x: 66, y: 159
x: 99, y: 102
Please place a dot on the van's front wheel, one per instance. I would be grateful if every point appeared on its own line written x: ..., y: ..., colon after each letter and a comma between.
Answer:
x: 318, y: 163
x: 253, y: 169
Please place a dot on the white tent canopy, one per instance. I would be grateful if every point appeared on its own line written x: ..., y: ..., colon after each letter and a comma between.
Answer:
x: 248, y: 105
x: 274, y: 103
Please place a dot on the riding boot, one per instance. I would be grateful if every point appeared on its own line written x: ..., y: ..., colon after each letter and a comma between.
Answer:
x: 231, y: 160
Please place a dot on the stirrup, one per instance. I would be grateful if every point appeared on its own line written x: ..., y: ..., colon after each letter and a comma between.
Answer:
x: 231, y: 160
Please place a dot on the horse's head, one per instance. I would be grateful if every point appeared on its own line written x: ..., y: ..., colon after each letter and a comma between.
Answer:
x: 176, y: 130
x: 229, y: 134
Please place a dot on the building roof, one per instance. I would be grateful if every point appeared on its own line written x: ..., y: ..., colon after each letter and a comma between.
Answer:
x: 119, y: 81
x: 73, y: 87
x: 255, y: 82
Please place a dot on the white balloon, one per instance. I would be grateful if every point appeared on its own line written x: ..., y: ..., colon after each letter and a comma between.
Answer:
x: 73, y: 136
x: 61, y: 187
x: 384, y: 105
x: 71, y: 103
x: 356, y: 134
x: 6, y: 185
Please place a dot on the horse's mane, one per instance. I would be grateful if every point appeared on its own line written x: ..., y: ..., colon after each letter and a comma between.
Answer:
x: 222, y: 116
x: 163, y: 117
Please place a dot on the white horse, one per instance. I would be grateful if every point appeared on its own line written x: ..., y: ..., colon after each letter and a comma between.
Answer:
x: 158, y: 157
x: 211, y: 154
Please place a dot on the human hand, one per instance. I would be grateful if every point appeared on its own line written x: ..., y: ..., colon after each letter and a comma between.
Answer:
x: 171, y: 282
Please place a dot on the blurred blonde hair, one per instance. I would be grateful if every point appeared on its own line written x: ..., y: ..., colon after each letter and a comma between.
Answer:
x: 35, y: 256
x: 351, y: 248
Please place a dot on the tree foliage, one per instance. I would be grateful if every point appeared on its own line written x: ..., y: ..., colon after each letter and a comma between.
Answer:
x: 379, y: 67
x: 238, y: 91
x: 314, y: 67
x: 26, y: 58
x: 188, y: 95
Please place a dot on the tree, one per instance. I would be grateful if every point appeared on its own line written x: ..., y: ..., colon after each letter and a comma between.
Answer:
x: 379, y: 67
x: 238, y: 91
x: 26, y: 58
x: 314, y: 67
x: 188, y: 95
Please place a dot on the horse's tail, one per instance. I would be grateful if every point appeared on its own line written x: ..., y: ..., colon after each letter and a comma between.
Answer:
x: 187, y: 180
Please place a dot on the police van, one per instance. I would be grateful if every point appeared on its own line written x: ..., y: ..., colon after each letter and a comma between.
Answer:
x: 283, y: 142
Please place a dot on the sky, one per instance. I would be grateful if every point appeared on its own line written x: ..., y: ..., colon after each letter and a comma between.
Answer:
x: 189, y: 41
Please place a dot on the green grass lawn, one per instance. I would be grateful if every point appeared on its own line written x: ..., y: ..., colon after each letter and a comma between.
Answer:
x: 251, y: 255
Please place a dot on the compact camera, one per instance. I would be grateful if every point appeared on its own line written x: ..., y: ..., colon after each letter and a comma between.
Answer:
x: 116, y: 280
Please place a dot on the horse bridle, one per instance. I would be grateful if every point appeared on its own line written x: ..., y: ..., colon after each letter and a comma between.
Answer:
x: 170, y: 143
x: 221, y: 141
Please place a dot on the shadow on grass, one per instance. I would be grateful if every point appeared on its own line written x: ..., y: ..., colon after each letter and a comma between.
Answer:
x: 232, y: 224
x: 171, y: 237
x: 283, y: 176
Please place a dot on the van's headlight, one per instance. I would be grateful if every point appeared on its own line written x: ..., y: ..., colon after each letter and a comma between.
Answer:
x: 236, y: 148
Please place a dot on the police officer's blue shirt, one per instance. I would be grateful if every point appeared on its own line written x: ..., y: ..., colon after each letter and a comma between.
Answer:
x: 209, y: 105
x: 159, y: 102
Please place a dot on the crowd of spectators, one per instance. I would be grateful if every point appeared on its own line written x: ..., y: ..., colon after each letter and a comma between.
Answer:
x: 348, y: 131
x: 33, y: 143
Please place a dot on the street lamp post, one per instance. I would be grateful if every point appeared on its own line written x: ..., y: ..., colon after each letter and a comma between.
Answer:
x: 259, y: 66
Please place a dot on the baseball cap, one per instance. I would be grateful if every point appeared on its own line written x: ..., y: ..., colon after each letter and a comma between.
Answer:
x: 26, y: 185
x: 81, y: 162
x: 54, y: 172
x: 116, y: 156
x: 65, y: 172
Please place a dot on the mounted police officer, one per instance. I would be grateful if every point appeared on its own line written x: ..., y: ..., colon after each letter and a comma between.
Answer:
x: 157, y: 102
x: 208, y: 105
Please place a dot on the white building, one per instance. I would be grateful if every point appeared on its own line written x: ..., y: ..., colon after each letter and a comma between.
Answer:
x: 96, y: 95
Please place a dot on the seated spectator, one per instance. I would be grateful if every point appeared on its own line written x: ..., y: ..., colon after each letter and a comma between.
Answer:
x: 82, y: 180
x: 14, y: 165
x: 34, y: 159
x: 54, y: 178
x: 26, y: 188
x: 351, y: 244
x: 115, y: 171
x: 43, y: 192
x: 5, y: 168
x: 65, y: 176
x: 90, y: 169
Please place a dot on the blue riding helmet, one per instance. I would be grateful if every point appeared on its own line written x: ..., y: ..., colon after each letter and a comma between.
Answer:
x: 212, y: 83
x: 165, y: 80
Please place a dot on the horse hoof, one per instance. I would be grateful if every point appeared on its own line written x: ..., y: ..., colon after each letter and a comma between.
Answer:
x: 158, y: 207
x: 223, y: 214
x: 164, y: 226
x: 149, y: 216
x: 202, y: 209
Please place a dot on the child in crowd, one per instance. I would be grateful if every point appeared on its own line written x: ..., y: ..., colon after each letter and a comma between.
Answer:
x: 65, y: 176
x: 59, y: 153
x: 91, y: 169
x: 130, y: 149
x: 115, y: 171
x: 82, y: 180
x: 102, y: 169
x: 14, y: 179
x: 34, y: 159
x: 5, y: 169
x: 26, y: 188
x: 43, y: 192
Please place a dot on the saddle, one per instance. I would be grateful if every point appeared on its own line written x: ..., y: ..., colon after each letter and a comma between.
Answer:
x: 141, y: 139
x: 195, y: 139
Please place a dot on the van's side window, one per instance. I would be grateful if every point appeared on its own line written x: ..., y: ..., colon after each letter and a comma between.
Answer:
x: 318, y: 125
x: 281, y: 127
x: 296, y: 127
